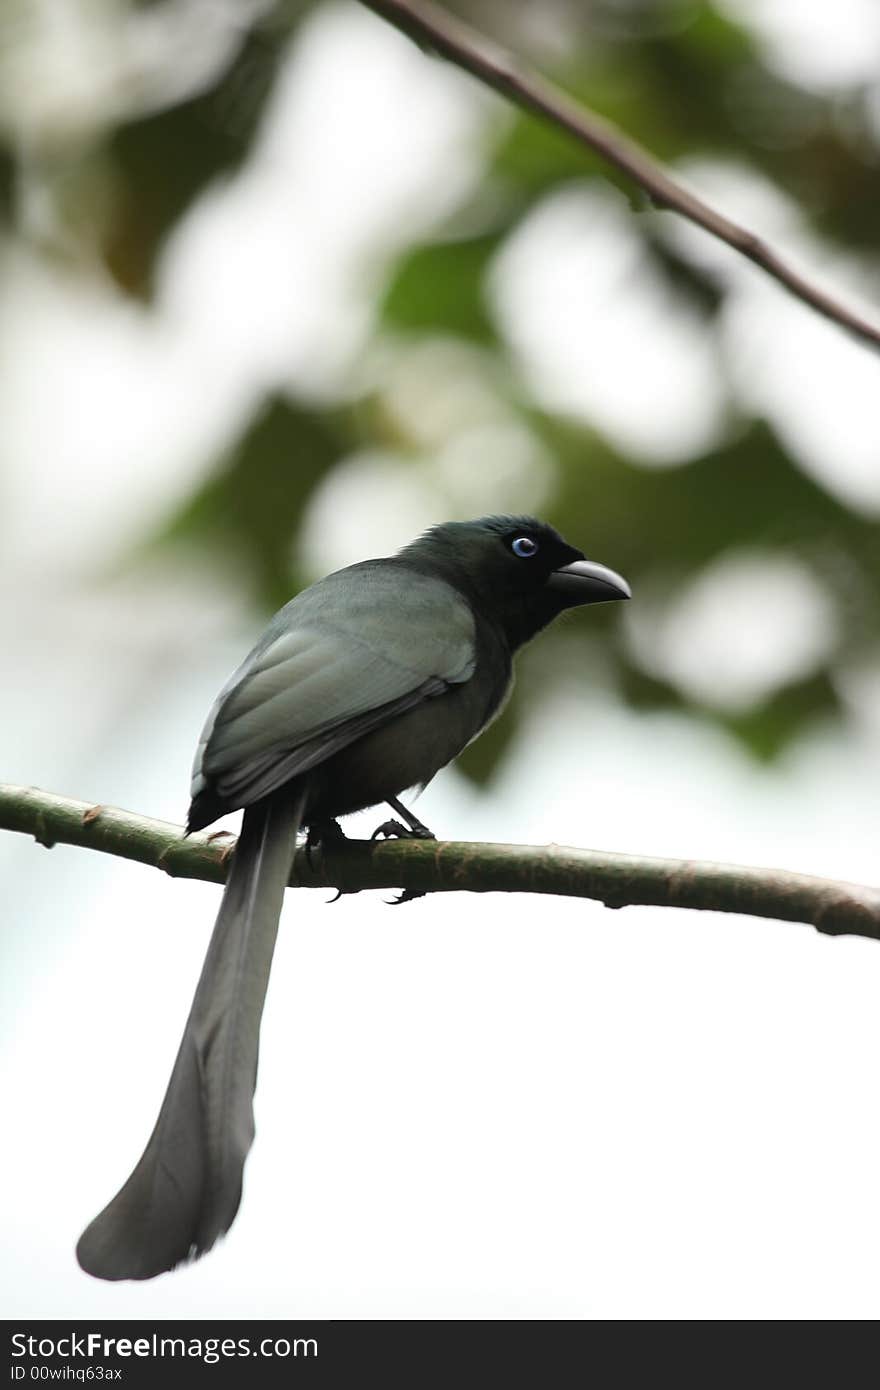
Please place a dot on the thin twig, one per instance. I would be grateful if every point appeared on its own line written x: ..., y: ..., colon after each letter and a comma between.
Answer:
x: 430, y: 866
x: 434, y: 28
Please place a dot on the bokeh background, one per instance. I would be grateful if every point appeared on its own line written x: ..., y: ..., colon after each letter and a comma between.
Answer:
x: 278, y: 290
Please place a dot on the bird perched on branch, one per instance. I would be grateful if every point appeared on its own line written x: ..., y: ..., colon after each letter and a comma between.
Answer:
x: 364, y: 685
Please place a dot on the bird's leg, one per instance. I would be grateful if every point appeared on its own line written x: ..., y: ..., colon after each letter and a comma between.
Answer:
x: 320, y: 835
x: 418, y: 830
x: 395, y: 830
x: 323, y: 832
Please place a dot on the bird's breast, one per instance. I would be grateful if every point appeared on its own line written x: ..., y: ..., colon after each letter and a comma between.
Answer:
x: 412, y: 747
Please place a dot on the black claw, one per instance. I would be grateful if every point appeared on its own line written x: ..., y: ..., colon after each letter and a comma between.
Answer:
x: 396, y: 830
x: 407, y: 896
x: 391, y: 830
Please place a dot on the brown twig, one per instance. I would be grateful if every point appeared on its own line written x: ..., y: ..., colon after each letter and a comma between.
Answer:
x: 430, y: 866
x: 434, y: 28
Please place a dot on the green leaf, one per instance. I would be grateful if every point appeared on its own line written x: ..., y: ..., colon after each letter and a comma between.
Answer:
x: 438, y: 287
x: 253, y: 505
x: 769, y: 728
x: 164, y: 161
x: 661, y: 528
x: 646, y: 692
x: 686, y: 281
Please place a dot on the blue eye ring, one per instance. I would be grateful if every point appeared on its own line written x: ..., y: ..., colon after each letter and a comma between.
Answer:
x: 524, y: 547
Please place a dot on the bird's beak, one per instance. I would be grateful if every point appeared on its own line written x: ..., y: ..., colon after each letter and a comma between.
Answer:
x: 584, y: 581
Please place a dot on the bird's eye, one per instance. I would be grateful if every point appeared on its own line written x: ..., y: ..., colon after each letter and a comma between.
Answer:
x: 524, y: 547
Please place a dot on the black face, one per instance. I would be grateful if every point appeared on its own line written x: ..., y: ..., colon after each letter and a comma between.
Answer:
x: 517, y: 570
x: 531, y: 551
x: 512, y: 554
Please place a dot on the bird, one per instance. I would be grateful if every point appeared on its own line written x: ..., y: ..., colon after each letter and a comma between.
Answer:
x: 362, y: 687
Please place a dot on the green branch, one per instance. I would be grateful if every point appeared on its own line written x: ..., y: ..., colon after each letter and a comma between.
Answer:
x: 432, y: 866
x: 440, y: 32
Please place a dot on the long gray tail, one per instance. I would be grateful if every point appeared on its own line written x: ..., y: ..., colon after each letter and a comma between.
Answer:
x: 185, y: 1190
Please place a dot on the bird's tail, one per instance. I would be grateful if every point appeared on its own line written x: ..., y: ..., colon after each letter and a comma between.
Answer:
x: 185, y: 1190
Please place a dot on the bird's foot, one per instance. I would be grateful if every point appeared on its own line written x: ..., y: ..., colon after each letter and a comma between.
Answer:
x: 390, y: 830
x: 319, y: 836
x: 408, y: 895
x: 322, y: 834
x: 396, y: 830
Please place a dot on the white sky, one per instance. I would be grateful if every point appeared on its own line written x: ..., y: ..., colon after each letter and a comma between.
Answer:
x: 476, y: 1107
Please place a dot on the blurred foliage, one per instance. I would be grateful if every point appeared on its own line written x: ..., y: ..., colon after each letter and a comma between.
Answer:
x: 663, y: 527
x: 439, y: 287
x: 249, y: 510
x: 770, y: 724
x: 686, y: 81
x: 162, y: 163
x: 7, y: 176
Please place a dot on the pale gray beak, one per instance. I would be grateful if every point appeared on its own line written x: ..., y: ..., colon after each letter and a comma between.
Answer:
x: 585, y: 581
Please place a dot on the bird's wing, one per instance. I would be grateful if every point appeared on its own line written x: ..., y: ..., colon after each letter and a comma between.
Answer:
x: 342, y: 658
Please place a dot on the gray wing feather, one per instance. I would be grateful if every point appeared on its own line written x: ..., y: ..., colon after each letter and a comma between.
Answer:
x: 259, y: 778
x: 340, y: 659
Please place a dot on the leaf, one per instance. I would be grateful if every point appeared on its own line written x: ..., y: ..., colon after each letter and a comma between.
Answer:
x: 660, y: 528
x: 646, y: 692
x: 768, y: 729
x: 667, y: 90
x: 164, y: 161
x: 254, y: 504
x: 748, y: 492
x: 438, y: 287
x: 686, y: 281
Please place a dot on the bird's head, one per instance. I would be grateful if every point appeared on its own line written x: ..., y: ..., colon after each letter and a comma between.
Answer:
x: 515, y: 569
